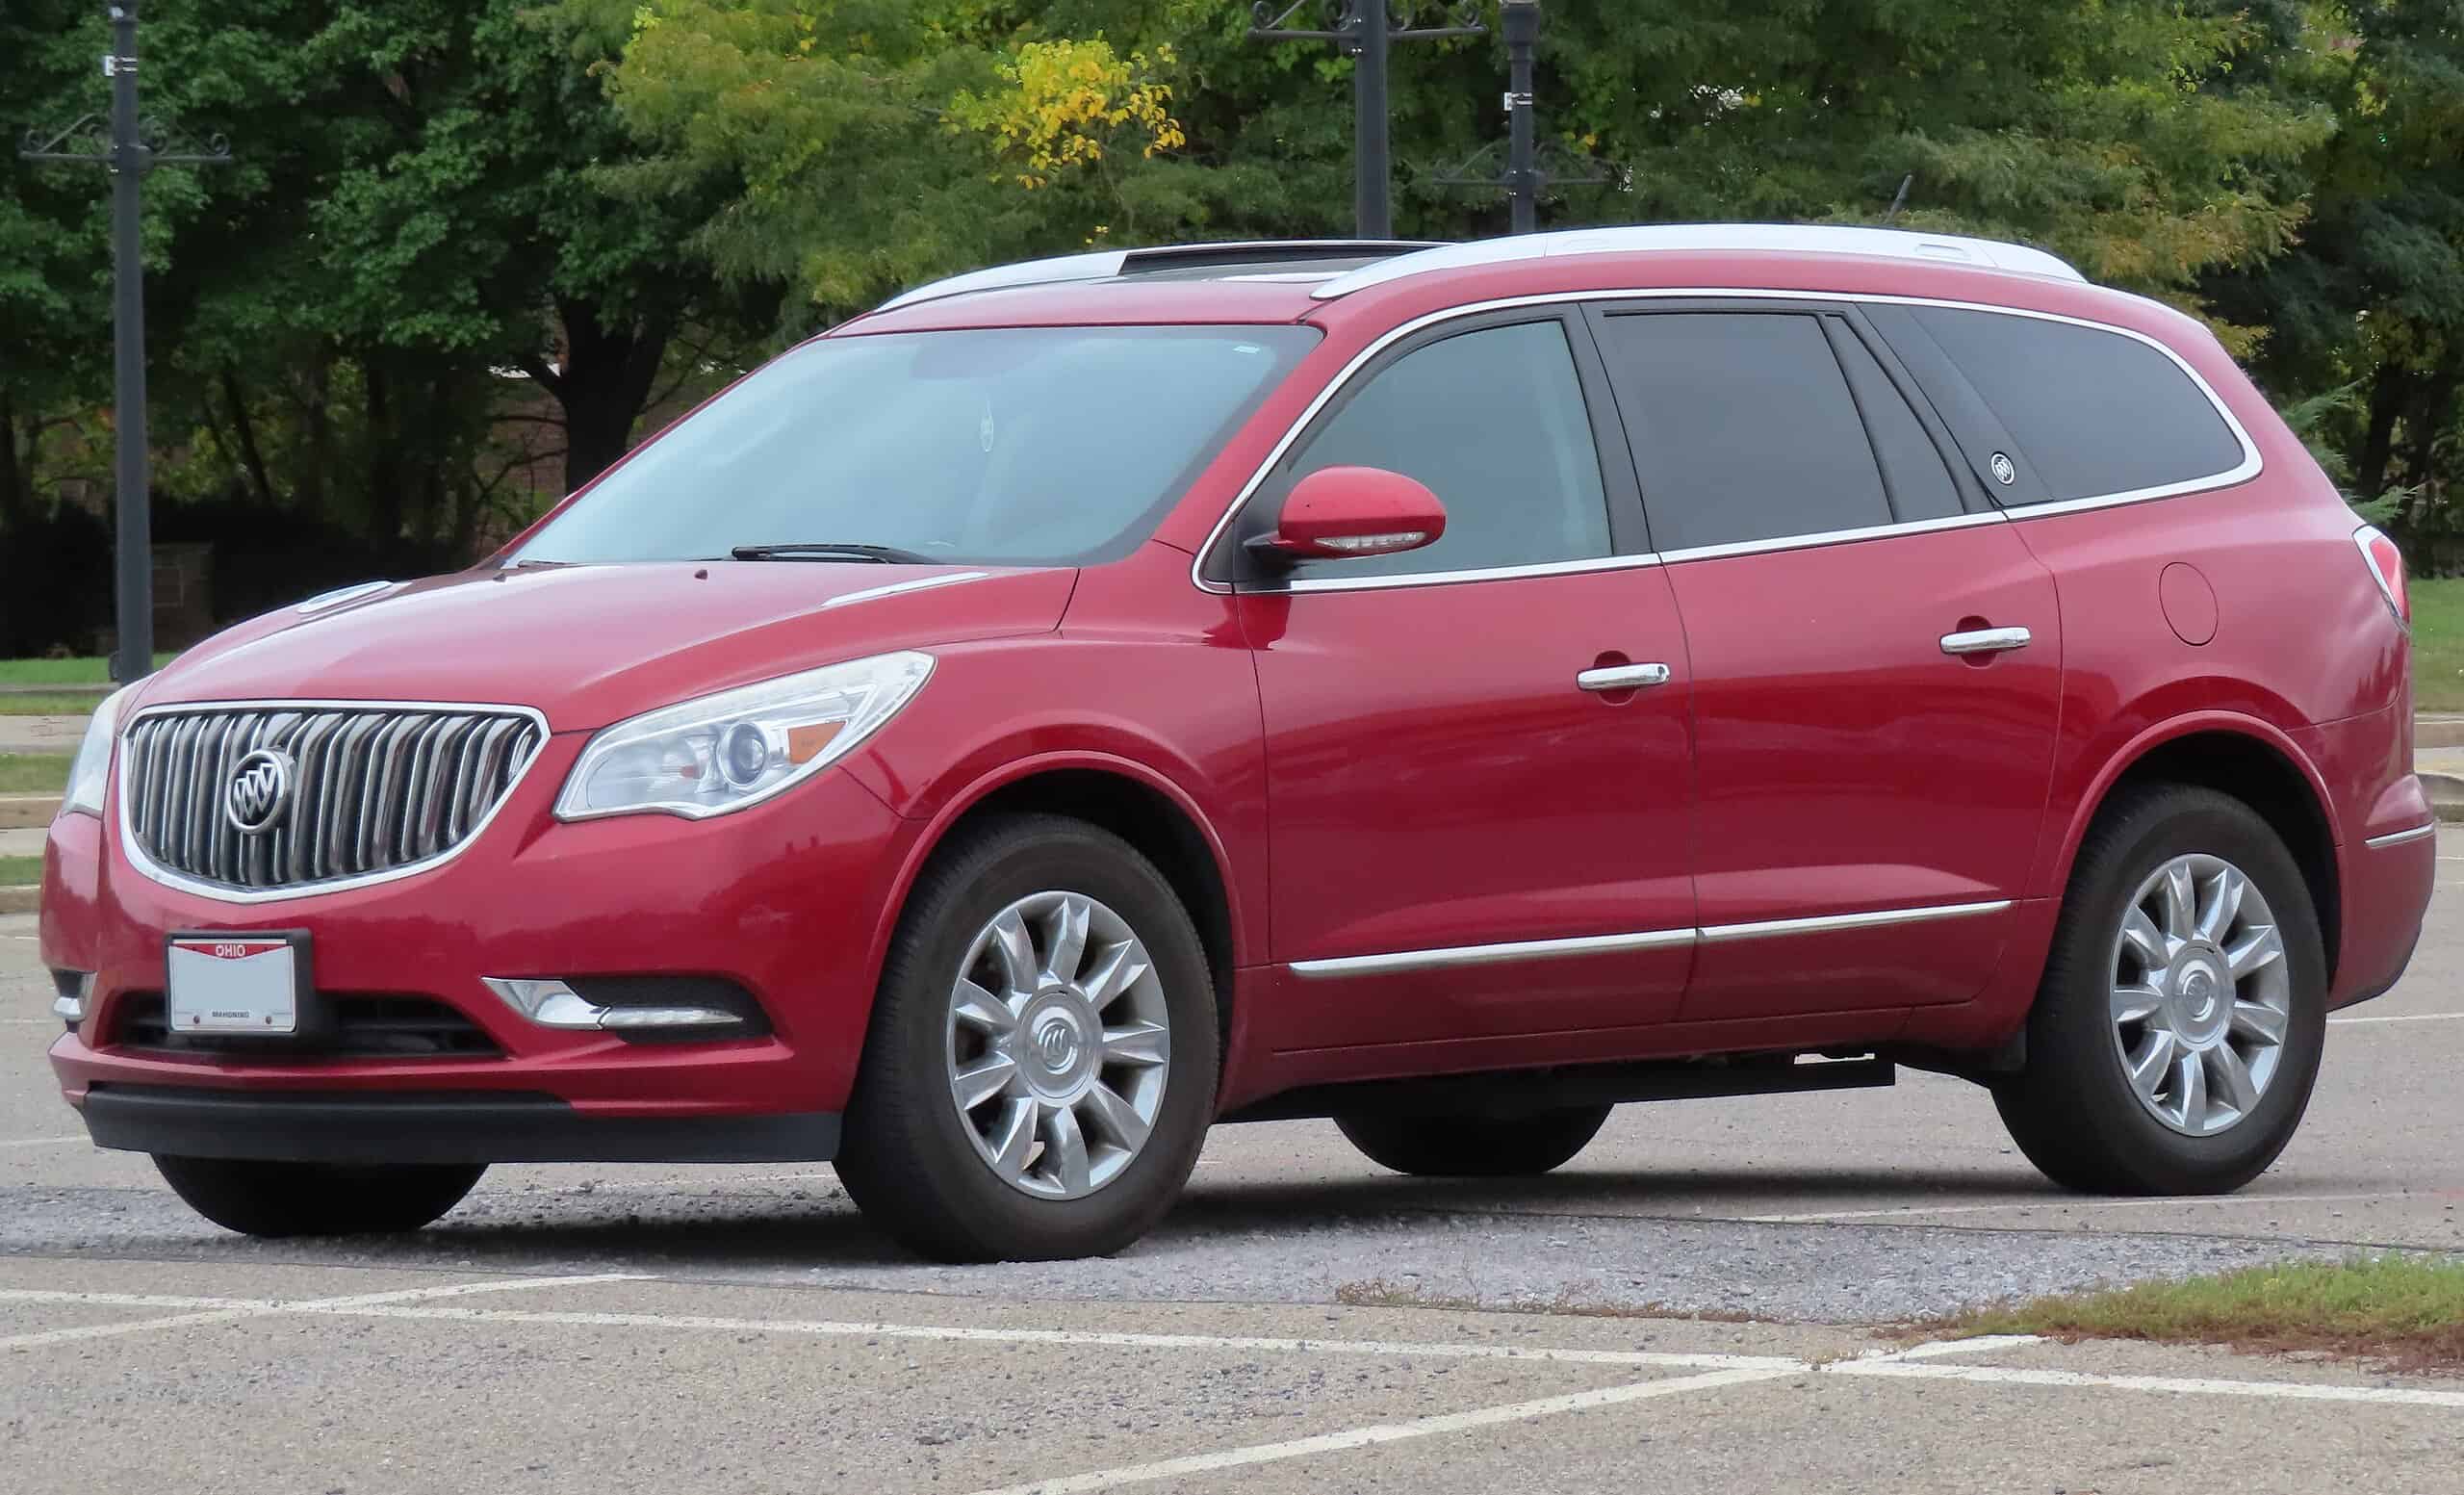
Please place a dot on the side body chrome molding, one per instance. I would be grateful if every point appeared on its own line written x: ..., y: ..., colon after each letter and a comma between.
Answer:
x: 2398, y: 838
x: 1643, y: 940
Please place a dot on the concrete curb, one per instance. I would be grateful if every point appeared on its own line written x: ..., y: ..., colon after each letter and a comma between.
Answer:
x: 2438, y: 732
x: 27, y: 812
x: 21, y: 900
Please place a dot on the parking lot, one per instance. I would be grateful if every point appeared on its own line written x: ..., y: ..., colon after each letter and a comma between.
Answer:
x: 1711, y: 1271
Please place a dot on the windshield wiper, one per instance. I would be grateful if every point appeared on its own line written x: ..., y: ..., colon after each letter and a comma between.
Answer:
x: 834, y: 550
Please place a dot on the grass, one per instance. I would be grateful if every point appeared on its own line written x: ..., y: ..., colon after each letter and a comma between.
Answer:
x: 92, y: 670
x: 2406, y: 1312
x: 45, y: 704
x: 20, y: 871
x: 2438, y: 644
x: 33, y: 773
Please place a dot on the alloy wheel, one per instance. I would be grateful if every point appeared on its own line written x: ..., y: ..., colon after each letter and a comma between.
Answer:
x: 1059, y: 1045
x: 2202, y: 994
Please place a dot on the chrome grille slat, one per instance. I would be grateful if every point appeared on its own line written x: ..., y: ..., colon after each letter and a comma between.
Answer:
x: 375, y: 788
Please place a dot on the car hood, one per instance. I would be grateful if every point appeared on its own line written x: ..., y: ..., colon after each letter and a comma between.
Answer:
x: 590, y: 645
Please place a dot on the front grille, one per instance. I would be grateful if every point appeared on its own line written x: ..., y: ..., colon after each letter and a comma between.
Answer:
x: 373, y: 789
x: 359, y: 1027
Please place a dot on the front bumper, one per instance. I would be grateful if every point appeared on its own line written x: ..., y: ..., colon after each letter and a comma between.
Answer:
x: 783, y: 900
x: 443, y: 1126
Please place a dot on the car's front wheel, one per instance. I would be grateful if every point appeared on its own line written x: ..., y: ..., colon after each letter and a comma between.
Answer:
x: 1041, y: 1065
x: 316, y: 1198
x: 1473, y: 1147
x: 2178, y: 1027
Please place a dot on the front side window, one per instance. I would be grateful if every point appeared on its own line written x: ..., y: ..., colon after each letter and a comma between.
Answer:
x: 1015, y: 446
x: 1493, y: 422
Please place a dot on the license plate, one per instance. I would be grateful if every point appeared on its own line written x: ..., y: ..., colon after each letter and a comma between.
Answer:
x: 238, y: 982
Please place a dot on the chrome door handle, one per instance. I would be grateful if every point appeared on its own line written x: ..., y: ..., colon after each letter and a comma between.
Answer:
x: 1623, y: 677
x: 1986, y: 640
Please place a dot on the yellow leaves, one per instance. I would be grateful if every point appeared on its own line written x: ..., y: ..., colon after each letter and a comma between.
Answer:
x: 1064, y: 104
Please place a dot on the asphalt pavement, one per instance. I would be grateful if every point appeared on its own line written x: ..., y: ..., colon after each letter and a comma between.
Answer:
x: 1698, y: 1296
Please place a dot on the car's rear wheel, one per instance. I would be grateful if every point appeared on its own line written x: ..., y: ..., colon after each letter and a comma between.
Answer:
x: 2178, y: 1027
x: 1041, y: 1065
x: 317, y: 1199
x: 1477, y: 1147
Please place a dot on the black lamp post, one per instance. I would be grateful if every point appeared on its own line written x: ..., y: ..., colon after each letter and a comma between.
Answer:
x: 1364, y: 29
x: 128, y: 147
x: 1525, y: 177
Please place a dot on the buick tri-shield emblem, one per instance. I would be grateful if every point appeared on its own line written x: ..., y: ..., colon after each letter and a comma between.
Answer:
x: 258, y: 792
x: 2004, y: 469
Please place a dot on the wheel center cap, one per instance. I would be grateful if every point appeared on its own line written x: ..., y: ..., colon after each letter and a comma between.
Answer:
x: 1056, y: 1051
x: 2200, y: 1002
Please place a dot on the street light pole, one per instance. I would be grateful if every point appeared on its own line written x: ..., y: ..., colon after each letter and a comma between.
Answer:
x: 1521, y: 20
x: 1366, y: 31
x: 128, y: 148
x: 135, y: 589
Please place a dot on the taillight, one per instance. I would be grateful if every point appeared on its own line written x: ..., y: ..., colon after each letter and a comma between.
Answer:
x: 2387, y: 564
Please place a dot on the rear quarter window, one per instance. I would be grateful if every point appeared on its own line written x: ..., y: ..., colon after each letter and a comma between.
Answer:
x: 2094, y: 412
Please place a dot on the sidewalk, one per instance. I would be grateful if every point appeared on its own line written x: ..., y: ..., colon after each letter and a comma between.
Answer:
x: 40, y: 733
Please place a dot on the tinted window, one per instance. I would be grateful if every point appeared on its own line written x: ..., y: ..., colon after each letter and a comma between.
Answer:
x: 1494, y: 423
x: 1920, y: 485
x: 1010, y: 445
x: 2094, y: 412
x: 1742, y: 426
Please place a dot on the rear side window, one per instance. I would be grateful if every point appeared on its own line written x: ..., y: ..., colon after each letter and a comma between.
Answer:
x: 1494, y: 423
x: 2094, y: 413
x: 1743, y: 427
x: 1913, y: 469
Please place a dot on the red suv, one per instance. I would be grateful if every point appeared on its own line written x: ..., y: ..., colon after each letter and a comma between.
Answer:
x: 1451, y: 689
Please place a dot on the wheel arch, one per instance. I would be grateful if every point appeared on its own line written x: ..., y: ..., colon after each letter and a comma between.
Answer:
x: 1134, y: 802
x: 2254, y: 762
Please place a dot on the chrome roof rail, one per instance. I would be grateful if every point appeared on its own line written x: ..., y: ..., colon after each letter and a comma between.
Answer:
x: 1787, y: 238
x: 1109, y: 263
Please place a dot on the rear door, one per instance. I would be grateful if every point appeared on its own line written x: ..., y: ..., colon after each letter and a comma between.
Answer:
x: 1467, y: 842
x: 1876, y: 658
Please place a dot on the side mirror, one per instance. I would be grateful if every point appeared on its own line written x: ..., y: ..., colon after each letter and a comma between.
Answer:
x: 1341, y: 513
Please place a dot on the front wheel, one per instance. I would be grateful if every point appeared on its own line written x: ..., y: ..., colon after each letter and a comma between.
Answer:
x: 1473, y: 1147
x: 2178, y: 1027
x: 316, y: 1198
x: 1041, y: 1065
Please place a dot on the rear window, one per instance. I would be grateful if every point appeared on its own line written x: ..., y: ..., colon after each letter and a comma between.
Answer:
x: 2093, y: 412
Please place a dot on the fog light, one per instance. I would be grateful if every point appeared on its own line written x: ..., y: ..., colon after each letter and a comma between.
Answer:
x: 73, y: 986
x: 553, y: 1004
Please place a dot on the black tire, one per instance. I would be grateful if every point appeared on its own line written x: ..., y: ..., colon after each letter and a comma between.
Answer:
x: 2071, y: 1110
x: 906, y: 1157
x: 317, y: 1199
x: 1449, y: 1147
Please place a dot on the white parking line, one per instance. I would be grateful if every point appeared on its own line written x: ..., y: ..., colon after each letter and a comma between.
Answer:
x: 247, y: 1308
x: 1076, y: 1337
x: 2178, y: 1385
x: 40, y: 1142
x: 1827, y: 1217
x: 1392, y: 1432
x: 2403, y: 1017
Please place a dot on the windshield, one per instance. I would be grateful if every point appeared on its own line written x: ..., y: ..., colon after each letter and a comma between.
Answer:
x: 1016, y: 445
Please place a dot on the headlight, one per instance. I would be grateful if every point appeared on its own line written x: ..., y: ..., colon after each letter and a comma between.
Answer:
x: 92, y: 766
x: 720, y: 752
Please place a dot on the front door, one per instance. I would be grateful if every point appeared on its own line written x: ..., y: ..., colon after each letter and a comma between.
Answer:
x: 1877, y: 661
x: 1467, y: 839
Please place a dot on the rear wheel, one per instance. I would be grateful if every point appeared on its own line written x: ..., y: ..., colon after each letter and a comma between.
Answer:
x: 1473, y: 1147
x: 317, y: 1199
x: 1041, y: 1065
x: 2177, y: 1031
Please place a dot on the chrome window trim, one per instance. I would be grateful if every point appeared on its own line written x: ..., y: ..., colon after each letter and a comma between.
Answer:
x: 900, y: 588
x: 2249, y: 467
x: 2399, y: 837
x: 1457, y: 956
x: 153, y: 871
x: 1546, y: 568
